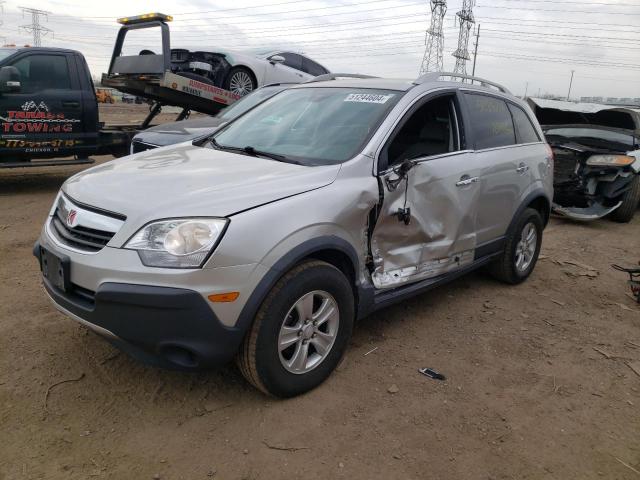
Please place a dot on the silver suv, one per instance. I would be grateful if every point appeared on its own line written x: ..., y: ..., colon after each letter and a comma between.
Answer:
x: 268, y: 240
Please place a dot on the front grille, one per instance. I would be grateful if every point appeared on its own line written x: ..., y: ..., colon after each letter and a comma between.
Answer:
x: 83, y: 295
x: 79, y: 237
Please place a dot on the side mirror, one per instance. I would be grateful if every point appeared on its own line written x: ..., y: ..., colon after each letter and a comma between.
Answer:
x: 9, y: 79
x: 276, y: 59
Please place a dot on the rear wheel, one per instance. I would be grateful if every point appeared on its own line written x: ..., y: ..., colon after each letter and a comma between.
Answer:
x: 300, y: 332
x: 522, y: 247
x: 240, y: 81
x: 630, y: 200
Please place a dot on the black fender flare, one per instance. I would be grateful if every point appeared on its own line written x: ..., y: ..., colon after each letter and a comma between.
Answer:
x: 284, y: 264
x: 530, y: 198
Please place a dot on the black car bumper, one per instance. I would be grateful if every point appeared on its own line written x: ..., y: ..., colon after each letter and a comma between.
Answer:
x: 167, y: 327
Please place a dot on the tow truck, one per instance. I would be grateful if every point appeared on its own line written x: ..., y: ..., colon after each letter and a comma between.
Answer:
x: 48, y: 105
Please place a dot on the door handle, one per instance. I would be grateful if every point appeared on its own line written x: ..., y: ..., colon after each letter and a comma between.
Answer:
x: 467, y: 180
x: 522, y: 168
x: 71, y: 104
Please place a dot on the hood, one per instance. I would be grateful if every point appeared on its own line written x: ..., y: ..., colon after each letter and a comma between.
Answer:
x: 184, y: 180
x: 557, y: 112
x: 177, y: 132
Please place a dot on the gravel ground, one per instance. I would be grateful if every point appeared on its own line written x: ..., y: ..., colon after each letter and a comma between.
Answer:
x: 540, y: 383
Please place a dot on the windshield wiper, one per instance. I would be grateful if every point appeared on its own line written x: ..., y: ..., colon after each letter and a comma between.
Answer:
x: 217, y: 146
x: 249, y: 150
x: 273, y: 156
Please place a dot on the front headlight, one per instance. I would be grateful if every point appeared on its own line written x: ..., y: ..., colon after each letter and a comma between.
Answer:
x: 610, y: 160
x: 178, y: 242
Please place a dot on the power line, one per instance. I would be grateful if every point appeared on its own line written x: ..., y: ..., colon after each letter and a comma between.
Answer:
x: 37, y: 30
x: 554, y: 10
x: 584, y: 4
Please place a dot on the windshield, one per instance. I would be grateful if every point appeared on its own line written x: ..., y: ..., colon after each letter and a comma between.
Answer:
x: 246, y: 103
x: 311, y: 126
x: 5, y: 52
x: 608, y: 135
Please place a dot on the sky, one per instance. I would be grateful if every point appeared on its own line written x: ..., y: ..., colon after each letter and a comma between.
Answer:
x: 529, y: 46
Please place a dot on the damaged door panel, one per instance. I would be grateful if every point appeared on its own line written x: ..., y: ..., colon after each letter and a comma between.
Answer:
x: 427, y: 221
x: 437, y: 234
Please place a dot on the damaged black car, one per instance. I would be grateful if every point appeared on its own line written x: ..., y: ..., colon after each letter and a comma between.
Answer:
x: 596, y: 158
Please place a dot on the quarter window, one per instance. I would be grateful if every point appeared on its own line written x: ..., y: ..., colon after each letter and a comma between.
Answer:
x: 524, y: 129
x: 43, y: 72
x: 312, y: 68
x: 491, y: 121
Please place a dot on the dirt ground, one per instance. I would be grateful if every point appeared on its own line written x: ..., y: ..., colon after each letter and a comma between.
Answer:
x: 538, y: 383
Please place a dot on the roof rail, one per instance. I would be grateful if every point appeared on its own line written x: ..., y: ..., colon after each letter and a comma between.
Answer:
x: 435, y: 76
x: 334, y: 76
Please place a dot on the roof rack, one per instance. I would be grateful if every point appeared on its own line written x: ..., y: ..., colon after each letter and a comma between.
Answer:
x: 334, y: 76
x: 435, y: 76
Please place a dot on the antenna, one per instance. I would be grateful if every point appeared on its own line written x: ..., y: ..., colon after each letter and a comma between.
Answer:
x: 462, y: 52
x: 35, y: 28
x: 434, y: 39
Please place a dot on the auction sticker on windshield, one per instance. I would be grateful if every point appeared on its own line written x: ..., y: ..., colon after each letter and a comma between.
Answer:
x: 367, y: 98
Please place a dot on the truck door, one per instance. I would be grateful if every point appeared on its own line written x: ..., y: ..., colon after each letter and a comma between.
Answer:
x: 426, y: 225
x: 43, y: 118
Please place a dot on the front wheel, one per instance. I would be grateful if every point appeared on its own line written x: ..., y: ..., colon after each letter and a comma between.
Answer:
x: 630, y: 200
x: 522, y: 247
x: 300, y: 332
x: 240, y: 81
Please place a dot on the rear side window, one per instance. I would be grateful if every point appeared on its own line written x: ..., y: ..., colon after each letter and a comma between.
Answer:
x: 43, y: 72
x: 525, y: 131
x: 312, y: 68
x: 292, y: 60
x: 491, y: 121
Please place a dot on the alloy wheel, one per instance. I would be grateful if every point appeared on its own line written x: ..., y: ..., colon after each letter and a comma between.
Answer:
x: 526, y: 247
x: 241, y: 83
x: 308, y: 332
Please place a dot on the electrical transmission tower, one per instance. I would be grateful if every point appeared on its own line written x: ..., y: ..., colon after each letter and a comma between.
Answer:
x: 462, y: 52
x: 432, y: 60
x: 35, y: 28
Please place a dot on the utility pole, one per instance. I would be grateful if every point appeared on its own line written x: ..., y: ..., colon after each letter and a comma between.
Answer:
x: 570, y: 83
x: 526, y: 89
x: 35, y: 28
x: 462, y: 52
x: 475, y: 52
x: 432, y: 60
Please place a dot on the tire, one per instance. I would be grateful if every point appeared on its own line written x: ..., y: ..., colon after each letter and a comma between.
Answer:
x: 630, y: 200
x: 260, y: 358
x: 507, y: 268
x: 240, y: 81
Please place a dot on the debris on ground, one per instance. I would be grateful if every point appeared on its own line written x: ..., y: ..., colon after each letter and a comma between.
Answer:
x: 428, y: 372
x: 393, y: 389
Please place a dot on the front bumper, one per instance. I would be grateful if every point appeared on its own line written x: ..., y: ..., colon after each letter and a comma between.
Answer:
x: 160, y: 325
